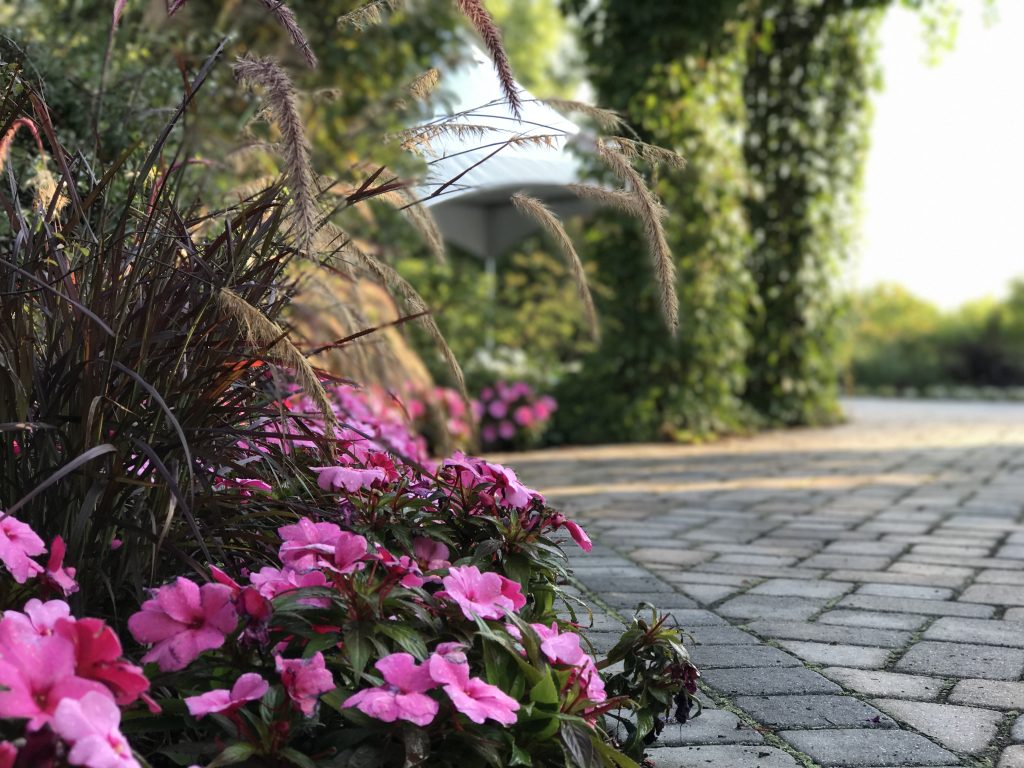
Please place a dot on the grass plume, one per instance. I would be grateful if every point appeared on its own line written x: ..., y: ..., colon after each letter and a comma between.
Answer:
x: 286, y: 18
x: 649, y: 211
x: 281, y: 103
x: 484, y: 24
x: 536, y: 210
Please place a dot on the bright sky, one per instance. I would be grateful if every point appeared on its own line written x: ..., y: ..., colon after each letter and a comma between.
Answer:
x: 944, y: 191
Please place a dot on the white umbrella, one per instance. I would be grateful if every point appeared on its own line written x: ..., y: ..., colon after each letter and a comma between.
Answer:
x: 484, y: 154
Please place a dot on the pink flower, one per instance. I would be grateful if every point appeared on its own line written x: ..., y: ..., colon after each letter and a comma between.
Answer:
x: 36, y: 672
x: 487, y: 595
x: 271, y: 582
x: 403, y: 568
x: 183, y: 620
x: 56, y: 573
x: 497, y: 409
x: 476, y: 699
x: 8, y: 752
x: 579, y: 535
x: 507, y: 430
x: 308, y: 544
x: 98, y: 657
x: 523, y: 416
x: 350, y: 553
x: 90, y: 726
x: 350, y: 479
x: 305, y: 680
x: 41, y: 617
x: 403, y: 696
x: 559, y: 647
x: 432, y: 555
x: 115, y: 544
x: 489, y: 433
x: 19, y: 543
x: 249, y: 687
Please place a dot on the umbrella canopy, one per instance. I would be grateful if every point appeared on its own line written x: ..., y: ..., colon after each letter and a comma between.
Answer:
x: 484, y: 154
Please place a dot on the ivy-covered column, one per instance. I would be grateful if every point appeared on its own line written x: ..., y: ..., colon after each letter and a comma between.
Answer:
x: 810, y: 68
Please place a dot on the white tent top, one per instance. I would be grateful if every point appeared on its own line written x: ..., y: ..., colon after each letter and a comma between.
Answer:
x: 474, y: 211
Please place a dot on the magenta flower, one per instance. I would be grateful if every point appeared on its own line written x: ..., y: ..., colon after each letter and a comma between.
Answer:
x: 18, y: 544
x: 182, y: 620
x: 431, y: 555
x: 98, y: 657
x: 8, y: 752
x: 39, y: 616
x: 487, y: 595
x: 307, y: 544
x: 507, y: 430
x: 523, y: 416
x: 349, y: 553
x: 91, y: 726
x: 36, y: 672
x: 402, y: 697
x: 579, y: 535
x: 497, y: 409
x: 56, y: 573
x: 489, y: 433
x: 305, y: 680
x: 271, y: 582
x: 249, y: 687
x: 559, y: 647
x: 349, y: 479
x: 473, y: 697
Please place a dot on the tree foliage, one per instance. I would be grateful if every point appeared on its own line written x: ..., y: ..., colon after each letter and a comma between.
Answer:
x: 769, y: 101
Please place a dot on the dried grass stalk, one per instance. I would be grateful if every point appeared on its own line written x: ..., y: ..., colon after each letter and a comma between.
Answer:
x: 536, y: 210
x: 485, y: 26
x: 424, y: 84
x: 282, y: 105
x: 387, y: 276
x: 619, y: 199
x: 368, y: 15
x: 262, y: 333
x: 649, y: 211
x: 286, y: 18
x: 651, y: 153
x: 45, y: 187
x: 606, y: 119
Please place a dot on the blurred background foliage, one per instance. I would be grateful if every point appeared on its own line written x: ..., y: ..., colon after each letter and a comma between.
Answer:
x: 768, y: 99
x: 901, y: 344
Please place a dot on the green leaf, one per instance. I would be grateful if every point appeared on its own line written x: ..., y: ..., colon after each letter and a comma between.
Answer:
x: 610, y: 753
x: 545, y: 691
x: 408, y: 639
x: 520, y: 756
x: 233, y: 755
x: 579, y: 746
x: 297, y: 758
x: 517, y: 568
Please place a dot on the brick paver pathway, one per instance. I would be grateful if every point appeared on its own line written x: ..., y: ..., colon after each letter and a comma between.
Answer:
x: 855, y: 594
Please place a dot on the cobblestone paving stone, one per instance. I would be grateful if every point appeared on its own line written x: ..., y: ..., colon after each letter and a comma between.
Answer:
x: 855, y: 594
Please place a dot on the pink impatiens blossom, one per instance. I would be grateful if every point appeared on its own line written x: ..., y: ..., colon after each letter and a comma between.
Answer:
x: 18, y: 544
x: 304, y: 680
x: 403, y: 695
x: 579, y: 535
x: 41, y: 617
x: 431, y: 555
x: 559, y: 647
x: 473, y: 697
x: 307, y: 544
x: 248, y: 687
x: 36, y: 672
x: 56, y: 573
x: 91, y: 726
x: 351, y: 479
x: 487, y: 595
x: 349, y: 553
x: 271, y: 582
x: 98, y: 657
x: 182, y: 620
x: 8, y: 754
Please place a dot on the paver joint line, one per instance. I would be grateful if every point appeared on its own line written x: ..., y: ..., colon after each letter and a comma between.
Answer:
x: 858, y: 591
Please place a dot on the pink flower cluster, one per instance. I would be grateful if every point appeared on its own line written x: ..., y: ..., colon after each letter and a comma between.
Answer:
x: 403, y: 696
x: 563, y: 648
x: 503, y: 488
x: 69, y: 674
x: 508, y: 411
x: 19, y: 544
